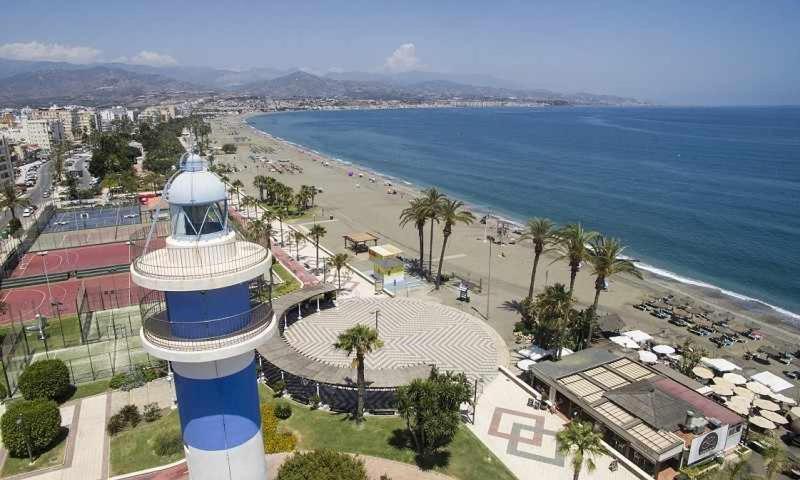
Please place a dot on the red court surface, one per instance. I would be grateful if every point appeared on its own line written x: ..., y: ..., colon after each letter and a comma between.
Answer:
x: 72, y: 259
x: 108, y: 291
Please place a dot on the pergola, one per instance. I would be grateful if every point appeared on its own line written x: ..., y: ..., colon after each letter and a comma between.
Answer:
x: 358, y: 241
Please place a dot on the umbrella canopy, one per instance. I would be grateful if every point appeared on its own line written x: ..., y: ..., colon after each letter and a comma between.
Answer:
x: 663, y: 349
x: 758, y: 388
x: 524, y: 365
x: 772, y: 381
x: 738, y: 407
x: 637, y: 336
x: 647, y: 357
x: 744, y: 393
x: 723, y: 382
x: 625, y: 342
x: 762, y: 422
x: 774, y: 417
x: 795, y: 411
x: 735, y: 378
x: 703, y: 372
x: 525, y: 352
x: 722, y: 390
x: 766, y: 405
x: 781, y: 398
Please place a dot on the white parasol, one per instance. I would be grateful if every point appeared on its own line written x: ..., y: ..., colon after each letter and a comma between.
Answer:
x: 735, y: 378
x: 663, y: 349
x: 781, y: 398
x: 647, y: 357
x: 764, y: 404
x: 723, y: 382
x: 625, y: 342
x: 762, y: 422
x: 744, y: 392
x: 774, y: 417
x: 703, y: 373
x: 738, y: 407
x: 722, y: 390
x: 524, y: 365
x: 795, y: 411
x: 758, y: 388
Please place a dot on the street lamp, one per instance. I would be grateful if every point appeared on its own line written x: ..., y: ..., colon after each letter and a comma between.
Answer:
x: 489, y: 283
x: 47, y: 278
x: 377, y: 313
x: 130, y: 260
x: 27, y: 438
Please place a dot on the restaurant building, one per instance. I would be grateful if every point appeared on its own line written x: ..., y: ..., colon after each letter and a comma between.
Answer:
x: 653, y: 416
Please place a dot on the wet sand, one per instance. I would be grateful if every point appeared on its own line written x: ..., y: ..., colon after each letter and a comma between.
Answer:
x: 357, y: 205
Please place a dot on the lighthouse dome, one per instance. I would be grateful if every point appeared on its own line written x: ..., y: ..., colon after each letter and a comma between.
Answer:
x: 195, y: 187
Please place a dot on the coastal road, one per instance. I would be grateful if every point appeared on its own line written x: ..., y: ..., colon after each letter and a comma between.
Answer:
x: 34, y: 194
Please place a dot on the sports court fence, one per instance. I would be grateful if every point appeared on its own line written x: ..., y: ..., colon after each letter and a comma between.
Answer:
x: 17, y: 247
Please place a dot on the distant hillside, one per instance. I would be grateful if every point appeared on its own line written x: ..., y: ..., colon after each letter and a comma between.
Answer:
x: 88, y: 85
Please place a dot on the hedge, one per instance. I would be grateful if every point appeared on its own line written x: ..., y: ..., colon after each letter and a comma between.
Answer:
x: 322, y: 465
x: 41, y: 422
x: 45, y: 379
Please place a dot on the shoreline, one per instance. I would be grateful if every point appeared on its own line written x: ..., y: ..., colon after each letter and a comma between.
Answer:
x: 660, y: 275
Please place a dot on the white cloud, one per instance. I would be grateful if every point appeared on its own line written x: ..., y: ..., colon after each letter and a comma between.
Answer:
x: 154, y: 59
x: 404, y: 59
x: 53, y: 52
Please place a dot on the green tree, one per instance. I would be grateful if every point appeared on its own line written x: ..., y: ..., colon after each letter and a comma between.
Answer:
x: 417, y: 214
x: 775, y: 458
x: 237, y: 185
x: 572, y: 247
x: 359, y: 339
x: 735, y: 470
x: 298, y: 237
x: 316, y: 232
x: 541, y: 233
x: 12, y: 201
x: 431, y: 409
x: 47, y: 379
x: 552, y: 317
x: 260, y: 230
x: 690, y: 357
x: 39, y: 425
x: 229, y: 148
x: 432, y: 201
x: 339, y: 261
x: 322, y: 465
x: 260, y: 182
x: 583, y: 444
x: 451, y: 212
x: 605, y: 257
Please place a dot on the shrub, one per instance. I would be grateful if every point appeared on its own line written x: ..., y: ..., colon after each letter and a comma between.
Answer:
x: 45, y: 379
x: 314, y: 401
x: 14, y: 225
x: 115, y: 424
x: 3, y: 391
x: 283, y: 410
x: 130, y: 414
x: 278, y: 387
x: 274, y: 441
x: 229, y: 148
x: 168, y: 443
x: 41, y: 425
x: 151, y: 412
x: 118, y: 380
x: 322, y: 465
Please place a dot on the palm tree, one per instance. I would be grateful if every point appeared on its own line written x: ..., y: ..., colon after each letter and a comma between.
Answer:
x: 432, y: 200
x: 247, y: 203
x: 280, y: 214
x: 450, y: 212
x: 605, y: 257
x: 553, y: 312
x: 774, y: 459
x: 339, y: 261
x: 541, y: 233
x: 416, y: 213
x: 11, y: 200
x: 580, y: 441
x: 260, y: 182
x: 298, y: 237
x: 237, y: 184
x: 572, y: 247
x: 259, y: 229
x: 316, y: 232
x: 360, y: 339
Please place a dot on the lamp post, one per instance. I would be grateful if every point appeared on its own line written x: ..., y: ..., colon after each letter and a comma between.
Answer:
x: 489, y: 283
x: 130, y: 260
x: 47, y: 279
x: 27, y: 438
x: 377, y: 313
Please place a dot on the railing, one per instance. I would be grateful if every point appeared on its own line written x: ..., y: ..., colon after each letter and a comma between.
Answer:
x: 175, y: 263
x: 206, y: 334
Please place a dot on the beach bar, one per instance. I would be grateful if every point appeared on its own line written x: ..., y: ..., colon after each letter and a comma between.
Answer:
x: 358, y: 241
x: 657, y: 420
x: 387, y: 266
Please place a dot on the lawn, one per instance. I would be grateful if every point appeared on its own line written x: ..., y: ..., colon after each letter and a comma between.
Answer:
x: 465, y: 458
x: 132, y: 450
x: 51, y: 458
x: 60, y: 334
x: 88, y: 389
x: 289, y: 283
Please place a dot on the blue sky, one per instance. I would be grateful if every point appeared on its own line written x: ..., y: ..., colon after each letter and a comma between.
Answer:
x: 706, y: 52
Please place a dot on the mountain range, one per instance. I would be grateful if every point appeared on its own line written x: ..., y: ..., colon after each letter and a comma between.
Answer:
x: 41, y: 83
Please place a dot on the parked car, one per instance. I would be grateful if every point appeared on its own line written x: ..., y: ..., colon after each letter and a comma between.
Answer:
x: 794, y: 374
x: 699, y: 332
x: 678, y: 322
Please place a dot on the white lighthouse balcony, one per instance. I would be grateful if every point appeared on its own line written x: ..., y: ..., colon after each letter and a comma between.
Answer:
x: 200, y: 265
x: 203, y: 340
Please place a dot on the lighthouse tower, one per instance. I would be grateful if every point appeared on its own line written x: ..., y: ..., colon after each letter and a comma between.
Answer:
x: 206, y: 312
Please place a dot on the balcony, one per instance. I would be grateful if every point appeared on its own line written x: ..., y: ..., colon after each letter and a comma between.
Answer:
x: 205, y: 335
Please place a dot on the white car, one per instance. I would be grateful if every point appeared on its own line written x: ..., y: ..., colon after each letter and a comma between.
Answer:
x: 130, y: 215
x: 27, y: 212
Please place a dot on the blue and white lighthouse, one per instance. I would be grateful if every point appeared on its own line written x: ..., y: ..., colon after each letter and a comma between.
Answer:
x: 206, y: 311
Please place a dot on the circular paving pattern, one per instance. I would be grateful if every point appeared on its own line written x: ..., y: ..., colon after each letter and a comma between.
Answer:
x: 413, y: 332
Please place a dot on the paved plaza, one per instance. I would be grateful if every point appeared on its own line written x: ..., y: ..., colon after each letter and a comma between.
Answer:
x: 414, y: 333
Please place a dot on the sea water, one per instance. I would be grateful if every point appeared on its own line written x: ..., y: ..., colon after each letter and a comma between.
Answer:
x: 709, y: 196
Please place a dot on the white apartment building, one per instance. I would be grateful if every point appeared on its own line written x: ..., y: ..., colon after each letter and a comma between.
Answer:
x: 44, y: 133
x: 6, y: 166
x: 108, y: 115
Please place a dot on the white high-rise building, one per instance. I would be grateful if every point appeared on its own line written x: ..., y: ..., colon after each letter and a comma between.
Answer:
x: 44, y: 133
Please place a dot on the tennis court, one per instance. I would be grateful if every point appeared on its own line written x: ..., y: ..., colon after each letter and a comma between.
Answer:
x: 93, y: 217
x: 72, y: 259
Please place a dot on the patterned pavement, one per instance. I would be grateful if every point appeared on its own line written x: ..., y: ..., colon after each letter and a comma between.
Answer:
x: 414, y: 333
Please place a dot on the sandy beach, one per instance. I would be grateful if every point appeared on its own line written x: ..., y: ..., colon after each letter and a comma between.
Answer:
x: 357, y: 204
